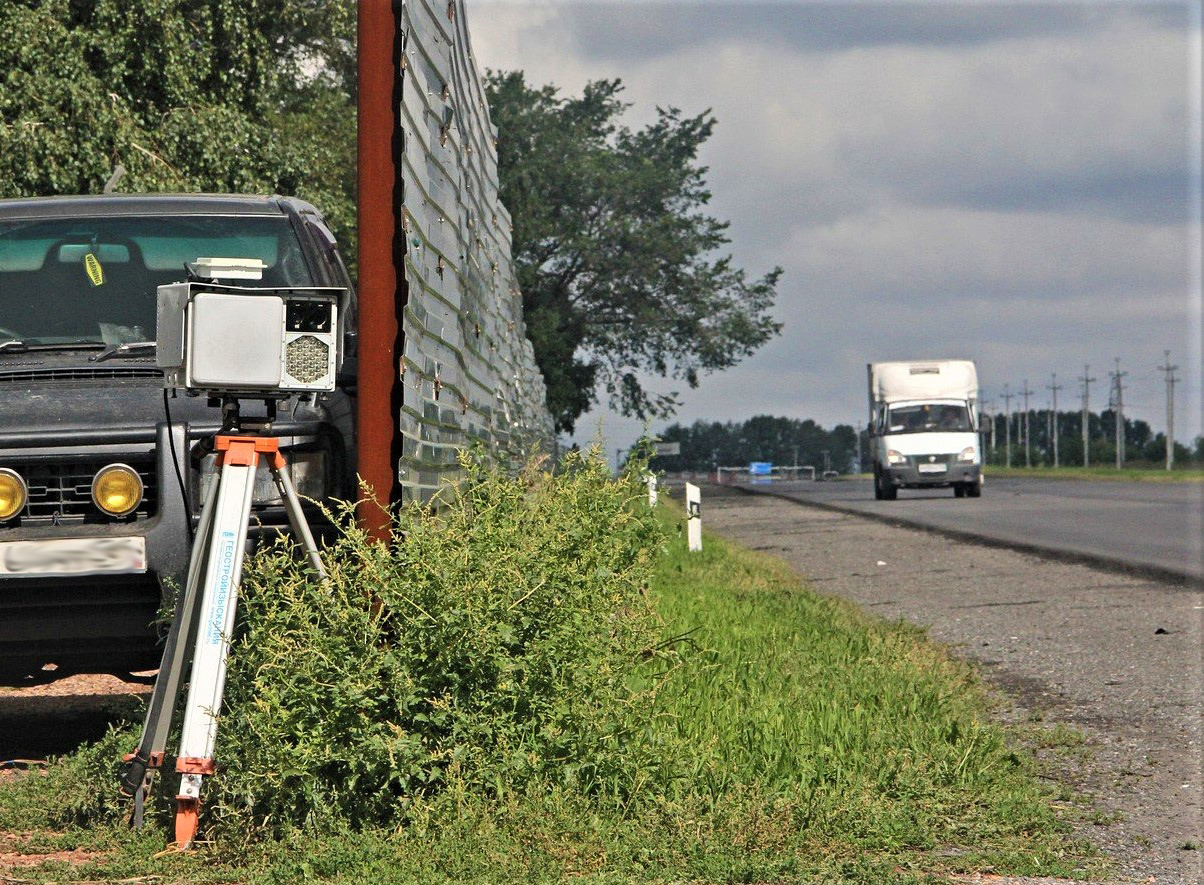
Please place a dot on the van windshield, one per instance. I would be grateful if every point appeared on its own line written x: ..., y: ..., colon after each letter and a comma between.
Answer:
x: 927, y: 418
x: 81, y: 280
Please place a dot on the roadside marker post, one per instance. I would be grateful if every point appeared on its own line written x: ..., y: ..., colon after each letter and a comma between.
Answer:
x: 652, y: 495
x: 693, y: 517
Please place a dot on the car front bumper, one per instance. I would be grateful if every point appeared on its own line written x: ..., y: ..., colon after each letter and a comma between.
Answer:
x: 911, y: 476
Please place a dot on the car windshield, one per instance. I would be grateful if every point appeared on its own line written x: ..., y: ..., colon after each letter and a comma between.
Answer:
x: 77, y: 280
x: 928, y: 417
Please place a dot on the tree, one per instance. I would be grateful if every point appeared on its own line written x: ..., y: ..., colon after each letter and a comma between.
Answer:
x: 617, y: 261
x: 706, y: 445
x: 185, y: 95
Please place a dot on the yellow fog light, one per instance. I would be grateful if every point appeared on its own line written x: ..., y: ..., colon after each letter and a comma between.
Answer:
x: 117, y: 489
x: 12, y: 493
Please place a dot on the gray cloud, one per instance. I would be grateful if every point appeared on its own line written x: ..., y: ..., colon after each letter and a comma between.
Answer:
x: 627, y: 32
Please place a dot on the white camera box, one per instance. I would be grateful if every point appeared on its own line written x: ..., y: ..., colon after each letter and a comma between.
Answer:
x: 217, y: 339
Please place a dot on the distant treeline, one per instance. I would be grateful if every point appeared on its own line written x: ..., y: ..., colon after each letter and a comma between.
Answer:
x: 706, y: 445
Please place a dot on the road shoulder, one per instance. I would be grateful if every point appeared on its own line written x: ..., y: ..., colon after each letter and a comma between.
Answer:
x: 1116, y: 657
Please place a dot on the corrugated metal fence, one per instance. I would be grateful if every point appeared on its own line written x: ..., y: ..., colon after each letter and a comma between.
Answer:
x: 468, y: 371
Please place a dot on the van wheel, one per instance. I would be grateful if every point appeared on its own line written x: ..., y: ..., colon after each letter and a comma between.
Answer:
x: 974, y: 489
x: 878, y: 495
x: 959, y: 490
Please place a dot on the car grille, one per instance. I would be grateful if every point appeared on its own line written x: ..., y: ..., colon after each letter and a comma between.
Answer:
x: 62, y: 491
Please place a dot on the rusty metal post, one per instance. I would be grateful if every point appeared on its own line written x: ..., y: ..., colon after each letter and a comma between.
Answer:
x: 380, y: 278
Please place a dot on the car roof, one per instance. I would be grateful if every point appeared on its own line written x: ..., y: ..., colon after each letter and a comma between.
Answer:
x: 148, y: 204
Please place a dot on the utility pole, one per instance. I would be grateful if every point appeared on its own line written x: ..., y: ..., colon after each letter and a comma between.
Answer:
x: 988, y: 414
x: 1007, y: 425
x: 1118, y: 388
x: 1170, y: 407
x: 1026, y: 393
x: 1055, y: 387
x: 1086, y: 379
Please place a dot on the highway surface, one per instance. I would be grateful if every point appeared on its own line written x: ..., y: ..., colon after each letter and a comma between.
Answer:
x: 1149, y: 526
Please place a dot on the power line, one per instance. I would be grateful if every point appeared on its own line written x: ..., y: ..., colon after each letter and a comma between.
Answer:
x: 1026, y: 393
x: 1055, y: 387
x: 1170, y: 407
x: 1118, y: 403
x: 1085, y: 379
x: 1007, y: 425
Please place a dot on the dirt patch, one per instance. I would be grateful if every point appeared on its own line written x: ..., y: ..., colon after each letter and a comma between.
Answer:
x: 10, y: 860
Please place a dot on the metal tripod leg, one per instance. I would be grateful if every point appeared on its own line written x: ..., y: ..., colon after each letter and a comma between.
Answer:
x: 223, y: 573
x: 296, y: 517
x: 136, y: 778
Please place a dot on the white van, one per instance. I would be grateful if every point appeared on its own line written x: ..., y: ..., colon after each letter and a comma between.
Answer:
x: 923, y: 427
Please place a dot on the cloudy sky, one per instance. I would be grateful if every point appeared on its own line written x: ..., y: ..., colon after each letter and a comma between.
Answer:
x: 1013, y: 183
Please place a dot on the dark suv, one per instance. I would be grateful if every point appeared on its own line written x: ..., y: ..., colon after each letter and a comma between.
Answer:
x: 101, y: 475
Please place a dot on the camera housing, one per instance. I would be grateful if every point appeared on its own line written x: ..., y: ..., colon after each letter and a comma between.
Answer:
x: 227, y: 340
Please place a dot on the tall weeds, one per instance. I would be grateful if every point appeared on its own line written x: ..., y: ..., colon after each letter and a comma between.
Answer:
x: 503, y: 637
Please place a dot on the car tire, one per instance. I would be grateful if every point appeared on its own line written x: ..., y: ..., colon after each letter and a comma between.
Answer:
x: 960, y: 489
x: 878, y: 494
x: 974, y: 489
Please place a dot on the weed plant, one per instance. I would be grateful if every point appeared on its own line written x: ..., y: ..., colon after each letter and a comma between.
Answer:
x: 503, y: 637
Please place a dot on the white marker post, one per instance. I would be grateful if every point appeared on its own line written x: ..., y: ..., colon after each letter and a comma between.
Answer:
x: 651, y: 489
x: 693, y: 516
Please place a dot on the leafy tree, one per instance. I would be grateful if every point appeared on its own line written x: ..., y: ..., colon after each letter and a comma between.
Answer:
x: 185, y: 95
x: 617, y: 261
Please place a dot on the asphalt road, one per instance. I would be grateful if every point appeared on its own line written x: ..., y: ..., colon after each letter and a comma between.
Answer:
x: 1154, y: 527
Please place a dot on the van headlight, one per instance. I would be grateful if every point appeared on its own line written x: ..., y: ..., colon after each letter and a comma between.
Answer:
x: 117, y: 489
x: 894, y: 458
x: 968, y: 456
x: 13, y: 493
x: 307, y: 469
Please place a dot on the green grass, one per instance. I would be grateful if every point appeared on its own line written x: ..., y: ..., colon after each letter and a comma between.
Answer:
x: 1128, y: 474
x: 799, y: 740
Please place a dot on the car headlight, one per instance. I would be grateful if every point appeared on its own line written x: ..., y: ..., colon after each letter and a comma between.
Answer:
x: 968, y: 456
x: 117, y: 489
x: 894, y: 458
x: 13, y: 493
x: 306, y: 469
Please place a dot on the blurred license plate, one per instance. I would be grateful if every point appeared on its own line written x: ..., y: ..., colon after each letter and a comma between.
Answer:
x: 933, y: 468
x: 73, y: 556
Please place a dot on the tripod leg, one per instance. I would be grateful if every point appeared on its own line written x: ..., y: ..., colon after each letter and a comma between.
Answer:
x: 222, y: 574
x: 296, y: 516
x: 136, y: 778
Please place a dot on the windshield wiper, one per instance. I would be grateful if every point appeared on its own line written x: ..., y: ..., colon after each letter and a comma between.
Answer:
x: 127, y: 349
x: 23, y: 346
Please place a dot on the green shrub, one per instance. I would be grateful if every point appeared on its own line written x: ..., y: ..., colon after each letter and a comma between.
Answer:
x: 503, y: 637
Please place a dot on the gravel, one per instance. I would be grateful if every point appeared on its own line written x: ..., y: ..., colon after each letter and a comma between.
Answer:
x: 1116, y: 657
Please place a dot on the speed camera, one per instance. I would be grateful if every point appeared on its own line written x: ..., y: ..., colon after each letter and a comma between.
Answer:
x: 217, y: 338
